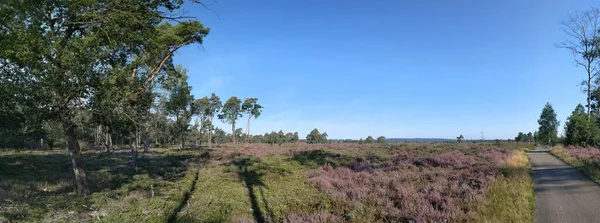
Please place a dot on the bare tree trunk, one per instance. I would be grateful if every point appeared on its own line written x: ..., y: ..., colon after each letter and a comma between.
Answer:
x: 248, y: 129
x: 210, y: 133
x: 146, y: 139
x: 97, y: 137
x: 78, y: 169
x: 146, y: 135
x: 182, y: 141
x: 233, y: 133
x: 108, y: 142
x: 137, y: 138
x: 133, y: 148
x: 589, y: 93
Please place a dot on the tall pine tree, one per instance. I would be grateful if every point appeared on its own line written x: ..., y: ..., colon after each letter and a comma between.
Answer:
x: 548, y: 130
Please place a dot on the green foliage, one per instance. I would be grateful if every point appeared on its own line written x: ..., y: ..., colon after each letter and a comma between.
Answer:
x: 580, y: 129
x: 220, y: 136
x: 316, y: 137
x: 361, y: 141
x: 520, y: 137
x: 548, y: 130
x: 180, y: 103
x: 381, y: 139
x: 369, y: 139
x: 460, y: 138
x: 71, y: 56
x: 252, y: 108
x: 232, y: 110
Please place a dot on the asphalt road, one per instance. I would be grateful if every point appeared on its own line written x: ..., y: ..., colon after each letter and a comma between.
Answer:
x: 562, y: 194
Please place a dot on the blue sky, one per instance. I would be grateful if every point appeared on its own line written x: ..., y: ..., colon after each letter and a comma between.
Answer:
x: 393, y: 68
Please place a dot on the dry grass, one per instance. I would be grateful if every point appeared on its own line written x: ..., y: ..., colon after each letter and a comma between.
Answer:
x: 510, y: 198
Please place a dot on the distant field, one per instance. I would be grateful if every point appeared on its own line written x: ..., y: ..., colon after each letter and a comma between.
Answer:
x: 341, y: 182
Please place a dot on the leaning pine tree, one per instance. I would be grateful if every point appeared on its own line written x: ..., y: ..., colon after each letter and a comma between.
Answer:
x: 81, y: 52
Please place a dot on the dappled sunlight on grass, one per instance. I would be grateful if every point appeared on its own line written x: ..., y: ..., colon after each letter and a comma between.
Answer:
x: 39, y: 185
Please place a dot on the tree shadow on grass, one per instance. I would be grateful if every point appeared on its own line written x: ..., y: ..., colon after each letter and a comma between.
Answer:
x: 316, y: 158
x: 251, y: 171
x: 45, y: 181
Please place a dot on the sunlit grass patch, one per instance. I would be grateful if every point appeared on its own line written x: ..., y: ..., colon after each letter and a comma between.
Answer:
x: 509, y: 198
x: 266, y: 188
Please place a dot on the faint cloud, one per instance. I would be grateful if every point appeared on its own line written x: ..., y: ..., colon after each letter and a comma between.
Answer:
x: 216, y: 82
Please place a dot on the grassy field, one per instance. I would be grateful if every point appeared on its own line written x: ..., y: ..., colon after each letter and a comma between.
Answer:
x: 269, y: 183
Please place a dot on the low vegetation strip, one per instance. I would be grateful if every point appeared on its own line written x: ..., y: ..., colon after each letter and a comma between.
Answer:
x: 585, y: 159
x: 447, y: 187
x: 509, y: 198
x: 38, y: 187
x: 444, y: 182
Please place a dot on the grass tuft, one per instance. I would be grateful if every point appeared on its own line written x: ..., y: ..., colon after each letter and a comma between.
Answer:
x: 510, y: 198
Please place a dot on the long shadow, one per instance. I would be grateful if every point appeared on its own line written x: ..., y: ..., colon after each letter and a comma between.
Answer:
x: 251, y: 179
x: 538, y: 151
x: 48, y: 177
x: 316, y: 158
x: 184, y: 201
x: 566, y: 180
x: 251, y: 171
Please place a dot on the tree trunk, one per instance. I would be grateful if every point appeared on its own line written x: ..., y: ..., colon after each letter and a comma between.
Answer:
x: 146, y: 139
x: 233, y: 133
x: 97, y: 137
x: 108, y: 142
x: 182, y: 141
x: 210, y: 134
x: 137, y: 138
x: 589, y: 94
x: 78, y: 169
x: 133, y: 148
x: 248, y: 130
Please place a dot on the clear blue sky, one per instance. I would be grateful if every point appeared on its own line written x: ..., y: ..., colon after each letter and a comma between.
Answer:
x: 392, y: 68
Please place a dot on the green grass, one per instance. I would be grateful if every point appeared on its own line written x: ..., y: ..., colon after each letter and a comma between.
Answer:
x: 511, y: 198
x: 38, y: 186
x: 221, y: 185
x: 254, y: 189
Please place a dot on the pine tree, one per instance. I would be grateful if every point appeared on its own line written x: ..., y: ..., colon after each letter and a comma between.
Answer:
x: 548, y: 130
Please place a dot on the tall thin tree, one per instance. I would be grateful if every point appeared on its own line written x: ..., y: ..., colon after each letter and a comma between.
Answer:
x: 252, y: 109
x: 231, y: 112
x: 582, y: 39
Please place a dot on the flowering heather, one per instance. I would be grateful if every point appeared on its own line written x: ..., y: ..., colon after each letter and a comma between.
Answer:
x: 437, y: 188
x: 498, y: 157
x: 584, y: 153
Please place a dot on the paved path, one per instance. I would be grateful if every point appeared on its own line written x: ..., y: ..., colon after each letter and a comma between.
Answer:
x: 562, y: 194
